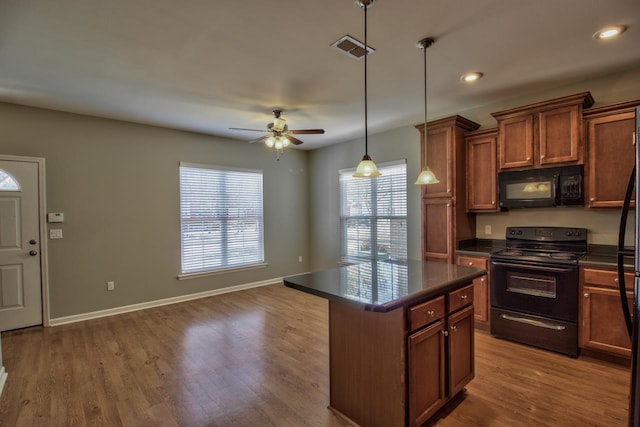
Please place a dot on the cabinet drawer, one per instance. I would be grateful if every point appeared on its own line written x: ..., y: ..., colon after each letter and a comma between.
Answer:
x: 425, y: 313
x: 608, y: 278
x: 460, y: 298
x: 473, y: 262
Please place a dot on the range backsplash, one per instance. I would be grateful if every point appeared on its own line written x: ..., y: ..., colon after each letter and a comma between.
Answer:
x: 603, y: 224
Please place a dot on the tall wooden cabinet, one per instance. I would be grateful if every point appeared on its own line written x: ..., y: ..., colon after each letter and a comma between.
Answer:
x: 610, y: 132
x: 482, y: 186
x: 543, y: 134
x: 444, y: 216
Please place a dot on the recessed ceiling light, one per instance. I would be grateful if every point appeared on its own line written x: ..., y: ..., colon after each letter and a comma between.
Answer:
x: 471, y: 77
x: 609, y: 32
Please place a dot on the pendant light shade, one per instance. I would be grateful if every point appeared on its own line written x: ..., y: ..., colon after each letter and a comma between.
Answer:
x: 366, y: 168
x: 426, y: 177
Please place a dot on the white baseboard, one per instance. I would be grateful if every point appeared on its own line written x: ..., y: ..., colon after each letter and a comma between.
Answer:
x: 3, y: 378
x: 157, y: 303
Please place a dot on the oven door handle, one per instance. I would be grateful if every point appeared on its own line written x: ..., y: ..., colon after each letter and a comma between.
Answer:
x: 534, y: 267
x: 533, y: 322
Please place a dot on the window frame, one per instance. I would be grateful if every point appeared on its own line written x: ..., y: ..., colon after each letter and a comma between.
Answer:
x: 374, y: 217
x: 226, y: 268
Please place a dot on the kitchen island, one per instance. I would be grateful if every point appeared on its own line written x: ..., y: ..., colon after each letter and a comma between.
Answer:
x: 400, y: 337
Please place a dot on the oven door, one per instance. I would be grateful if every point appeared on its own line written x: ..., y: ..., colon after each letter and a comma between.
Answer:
x: 535, y: 288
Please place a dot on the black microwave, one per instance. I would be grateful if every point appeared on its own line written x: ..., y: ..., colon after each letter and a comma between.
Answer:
x: 541, y: 187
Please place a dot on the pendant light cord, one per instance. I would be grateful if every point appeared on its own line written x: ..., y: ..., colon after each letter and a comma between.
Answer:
x: 366, y: 53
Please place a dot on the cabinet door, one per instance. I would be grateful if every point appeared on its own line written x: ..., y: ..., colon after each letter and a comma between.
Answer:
x: 559, y: 131
x: 437, y: 226
x: 515, y: 141
x: 461, y: 350
x: 480, y: 288
x: 437, y: 153
x: 481, y: 174
x: 611, y: 158
x: 426, y: 373
x: 603, y: 326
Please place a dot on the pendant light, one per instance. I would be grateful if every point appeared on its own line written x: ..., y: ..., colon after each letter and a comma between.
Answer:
x: 366, y: 168
x: 426, y: 176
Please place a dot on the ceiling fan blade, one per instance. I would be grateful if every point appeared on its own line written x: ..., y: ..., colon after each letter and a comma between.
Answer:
x: 306, y: 131
x: 261, y: 139
x: 252, y: 130
x: 294, y: 141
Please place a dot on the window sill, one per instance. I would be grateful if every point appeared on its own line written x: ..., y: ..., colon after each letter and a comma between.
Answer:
x: 187, y: 276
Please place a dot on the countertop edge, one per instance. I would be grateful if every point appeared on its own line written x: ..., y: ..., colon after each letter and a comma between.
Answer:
x: 412, y: 299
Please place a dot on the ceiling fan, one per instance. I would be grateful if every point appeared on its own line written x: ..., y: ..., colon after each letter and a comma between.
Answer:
x: 278, y: 133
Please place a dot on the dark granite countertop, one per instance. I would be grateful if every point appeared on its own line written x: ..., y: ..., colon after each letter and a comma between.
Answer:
x: 598, y: 255
x: 384, y: 285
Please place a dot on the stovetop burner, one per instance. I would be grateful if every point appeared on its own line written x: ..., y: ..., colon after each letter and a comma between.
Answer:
x: 555, y: 245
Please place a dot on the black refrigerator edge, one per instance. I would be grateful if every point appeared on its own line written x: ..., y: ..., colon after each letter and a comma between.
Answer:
x: 632, y: 322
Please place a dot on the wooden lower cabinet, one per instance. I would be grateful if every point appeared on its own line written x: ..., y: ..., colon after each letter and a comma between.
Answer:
x: 602, y: 325
x: 427, y: 372
x: 480, y: 290
x: 441, y: 357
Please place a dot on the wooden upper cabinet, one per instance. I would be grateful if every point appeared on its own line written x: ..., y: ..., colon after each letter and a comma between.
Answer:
x: 611, y: 153
x: 516, y: 141
x: 482, y: 171
x: 443, y: 150
x: 543, y: 134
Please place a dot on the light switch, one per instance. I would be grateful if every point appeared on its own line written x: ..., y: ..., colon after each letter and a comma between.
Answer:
x: 55, y: 233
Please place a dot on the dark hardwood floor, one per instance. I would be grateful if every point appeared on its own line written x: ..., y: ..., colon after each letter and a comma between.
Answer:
x: 260, y: 358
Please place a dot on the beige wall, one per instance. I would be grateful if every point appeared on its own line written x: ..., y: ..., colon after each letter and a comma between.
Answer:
x: 405, y: 143
x: 117, y: 184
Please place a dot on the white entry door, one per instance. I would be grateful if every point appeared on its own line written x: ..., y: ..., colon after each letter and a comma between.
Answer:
x: 20, y: 266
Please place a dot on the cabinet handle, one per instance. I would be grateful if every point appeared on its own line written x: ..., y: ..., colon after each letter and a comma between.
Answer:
x: 633, y: 141
x: 448, y: 190
x: 586, y: 295
x: 616, y: 280
x: 454, y: 328
x: 482, y: 279
x: 464, y: 297
x: 445, y: 333
x: 448, y: 204
x: 542, y: 156
x: 471, y: 264
x: 431, y: 313
x: 493, y: 202
x: 528, y: 158
x: 593, y: 199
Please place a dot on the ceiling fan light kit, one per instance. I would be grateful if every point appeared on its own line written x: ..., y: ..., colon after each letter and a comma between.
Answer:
x: 366, y: 168
x: 279, y: 135
x: 426, y: 176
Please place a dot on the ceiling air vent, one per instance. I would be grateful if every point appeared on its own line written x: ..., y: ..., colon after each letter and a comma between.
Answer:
x: 351, y: 47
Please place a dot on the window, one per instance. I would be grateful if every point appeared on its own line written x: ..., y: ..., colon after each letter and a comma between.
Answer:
x: 7, y: 182
x: 220, y: 218
x: 373, y: 215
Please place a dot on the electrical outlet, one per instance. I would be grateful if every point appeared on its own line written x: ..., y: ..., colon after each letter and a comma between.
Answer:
x: 111, y: 286
x: 487, y: 229
x: 55, y: 233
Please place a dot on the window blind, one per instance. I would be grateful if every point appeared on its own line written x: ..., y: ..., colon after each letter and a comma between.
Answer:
x: 374, y: 214
x: 221, y: 218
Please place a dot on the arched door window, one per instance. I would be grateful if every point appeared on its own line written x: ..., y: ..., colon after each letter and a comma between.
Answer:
x: 7, y: 182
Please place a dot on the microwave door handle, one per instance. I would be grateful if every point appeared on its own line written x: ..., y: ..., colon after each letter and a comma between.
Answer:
x: 533, y: 267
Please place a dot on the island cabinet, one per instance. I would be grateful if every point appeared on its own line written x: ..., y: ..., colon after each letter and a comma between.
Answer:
x: 482, y: 186
x: 444, y: 215
x: 602, y: 325
x: 611, y: 153
x: 543, y: 134
x: 401, y: 341
x: 480, y: 290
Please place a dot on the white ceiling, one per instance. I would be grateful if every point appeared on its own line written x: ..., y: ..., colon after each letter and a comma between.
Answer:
x: 207, y: 65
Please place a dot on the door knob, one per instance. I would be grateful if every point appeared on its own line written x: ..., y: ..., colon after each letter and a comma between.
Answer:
x: 33, y: 252
x: 32, y: 241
